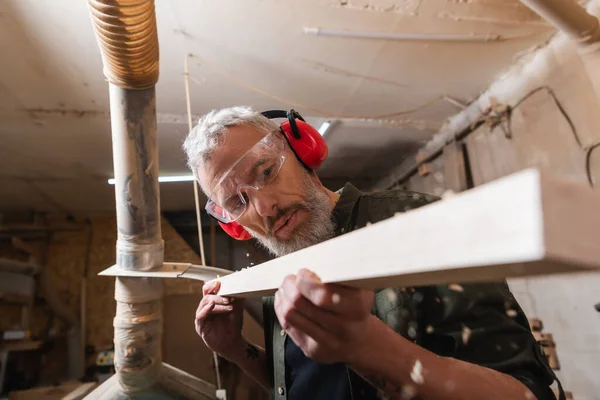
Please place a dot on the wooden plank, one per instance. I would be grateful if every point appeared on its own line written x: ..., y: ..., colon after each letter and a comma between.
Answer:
x: 520, y: 225
x: 171, y: 380
x: 455, y: 174
x: 188, y: 386
x: 15, y: 298
x: 18, y: 267
x: 12, y: 283
x: 81, y: 391
x: 45, y: 393
x: 109, y: 389
x: 20, y: 345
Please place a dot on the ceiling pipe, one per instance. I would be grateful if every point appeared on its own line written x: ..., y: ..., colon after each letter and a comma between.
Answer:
x: 429, y: 37
x: 569, y: 17
x: 581, y: 25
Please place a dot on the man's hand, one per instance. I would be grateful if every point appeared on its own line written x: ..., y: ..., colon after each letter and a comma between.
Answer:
x: 329, y: 322
x: 219, y: 322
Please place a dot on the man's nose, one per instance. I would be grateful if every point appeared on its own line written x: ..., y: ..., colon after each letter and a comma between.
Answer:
x: 264, y: 203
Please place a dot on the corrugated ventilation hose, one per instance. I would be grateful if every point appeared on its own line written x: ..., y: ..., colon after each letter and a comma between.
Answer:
x: 128, y: 40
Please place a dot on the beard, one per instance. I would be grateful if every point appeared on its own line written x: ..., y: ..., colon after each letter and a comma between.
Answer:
x: 318, y: 228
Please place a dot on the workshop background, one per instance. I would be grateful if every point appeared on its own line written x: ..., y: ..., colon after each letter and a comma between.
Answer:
x: 518, y: 92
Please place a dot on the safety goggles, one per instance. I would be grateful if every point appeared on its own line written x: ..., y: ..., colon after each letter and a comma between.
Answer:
x: 257, y: 168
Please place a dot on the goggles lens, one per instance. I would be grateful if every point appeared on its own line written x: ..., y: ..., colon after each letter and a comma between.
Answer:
x: 257, y: 168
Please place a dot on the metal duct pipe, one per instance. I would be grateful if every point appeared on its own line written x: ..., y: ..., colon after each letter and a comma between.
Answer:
x: 138, y: 321
x: 126, y: 33
x: 569, y: 17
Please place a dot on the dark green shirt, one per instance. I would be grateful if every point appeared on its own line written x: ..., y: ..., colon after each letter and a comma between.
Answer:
x: 478, y: 323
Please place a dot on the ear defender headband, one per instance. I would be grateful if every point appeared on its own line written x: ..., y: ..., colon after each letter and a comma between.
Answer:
x: 305, y: 141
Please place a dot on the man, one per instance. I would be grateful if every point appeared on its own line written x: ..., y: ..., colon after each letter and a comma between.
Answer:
x: 327, y: 341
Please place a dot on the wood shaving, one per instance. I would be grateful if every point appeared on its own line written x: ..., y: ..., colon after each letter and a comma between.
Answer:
x: 391, y: 295
x: 511, y: 313
x: 448, y: 194
x: 417, y: 373
x: 456, y: 287
x: 412, y: 332
x: 335, y: 298
x: 408, y: 392
x: 466, y: 334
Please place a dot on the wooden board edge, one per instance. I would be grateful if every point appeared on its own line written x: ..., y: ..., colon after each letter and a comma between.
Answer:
x: 517, y: 196
x: 575, y: 239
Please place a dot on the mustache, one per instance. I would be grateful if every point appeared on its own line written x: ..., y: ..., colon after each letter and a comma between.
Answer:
x: 281, y: 213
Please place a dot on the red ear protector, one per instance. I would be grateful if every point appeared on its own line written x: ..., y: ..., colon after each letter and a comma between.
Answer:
x: 236, y: 231
x: 307, y: 144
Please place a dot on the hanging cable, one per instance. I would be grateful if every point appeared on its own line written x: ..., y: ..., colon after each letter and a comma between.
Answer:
x: 190, y: 126
x: 196, y: 197
x: 588, y: 167
x: 508, y: 133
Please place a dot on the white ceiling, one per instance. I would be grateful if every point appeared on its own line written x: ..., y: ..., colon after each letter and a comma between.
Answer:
x: 55, y: 146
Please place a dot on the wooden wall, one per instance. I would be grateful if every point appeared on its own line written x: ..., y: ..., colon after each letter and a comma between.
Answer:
x: 554, y: 125
x: 65, y: 258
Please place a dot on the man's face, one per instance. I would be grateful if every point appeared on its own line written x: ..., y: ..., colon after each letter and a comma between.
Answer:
x: 288, y: 214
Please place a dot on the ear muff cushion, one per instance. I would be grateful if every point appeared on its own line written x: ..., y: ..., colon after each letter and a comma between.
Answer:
x: 236, y: 231
x: 310, y: 148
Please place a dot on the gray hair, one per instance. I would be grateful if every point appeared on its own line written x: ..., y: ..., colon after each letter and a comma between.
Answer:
x: 208, y: 134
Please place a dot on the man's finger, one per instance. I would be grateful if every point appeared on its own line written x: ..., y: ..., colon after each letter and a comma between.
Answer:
x: 309, y: 336
x: 219, y: 309
x: 290, y: 318
x: 205, y: 311
x: 292, y: 296
x: 210, y: 298
x: 211, y: 288
x: 212, y: 308
x: 335, y: 298
x: 218, y: 299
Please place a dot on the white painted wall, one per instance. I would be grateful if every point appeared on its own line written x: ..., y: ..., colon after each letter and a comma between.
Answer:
x: 565, y: 304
